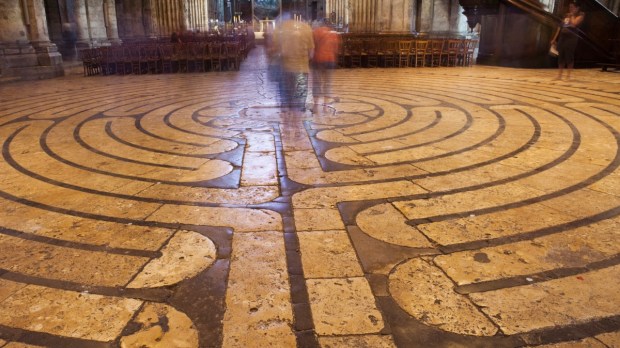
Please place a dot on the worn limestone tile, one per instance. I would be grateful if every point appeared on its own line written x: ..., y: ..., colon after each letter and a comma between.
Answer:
x: 162, y: 326
x: 561, y: 176
x: 68, y: 264
x: 495, y: 225
x: 185, y: 255
x: 294, y: 138
x: 374, y: 341
x: 126, y: 151
x: 558, y: 302
x: 346, y: 155
x: 258, y: 304
x: 211, y: 169
x: 241, y: 219
x: 67, y: 313
x: 339, y: 119
x: 484, y: 175
x: 315, y: 176
x: 354, y: 104
x: 241, y: 195
x: 7, y: 288
x: 334, y: 136
x: 259, y: 142
x: 406, y: 155
x: 467, y: 201
x: 82, y: 230
x: 103, y: 205
x: 386, y: 223
x: 301, y: 159
x: 572, y: 248
x: 425, y: 292
x: 328, y: 254
x: 259, y: 168
x: 392, y: 114
x: 343, y: 306
x: 611, y: 339
x: 328, y: 197
x: 318, y: 219
x: 125, y: 129
x: 421, y: 117
x: 583, y: 203
x: 609, y: 184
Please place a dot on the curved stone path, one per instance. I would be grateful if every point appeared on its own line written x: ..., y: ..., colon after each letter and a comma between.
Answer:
x: 433, y: 207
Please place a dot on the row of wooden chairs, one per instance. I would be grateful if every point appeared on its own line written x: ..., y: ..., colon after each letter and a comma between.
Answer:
x: 163, y: 58
x: 372, y: 52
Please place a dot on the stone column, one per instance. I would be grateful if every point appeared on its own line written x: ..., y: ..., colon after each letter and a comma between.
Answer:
x: 82, y: 24
x: 25, y: 49
x: 396, y: 16
x: 109, y: 15
x: 363, y: 16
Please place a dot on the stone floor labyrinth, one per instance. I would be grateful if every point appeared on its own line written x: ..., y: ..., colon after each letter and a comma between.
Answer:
x: 433, y: 207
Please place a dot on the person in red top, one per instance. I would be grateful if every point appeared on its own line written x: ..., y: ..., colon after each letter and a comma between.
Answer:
x: 326, y: 45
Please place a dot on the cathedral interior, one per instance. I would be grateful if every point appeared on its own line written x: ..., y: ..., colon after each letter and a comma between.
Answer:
x: 435, y: 198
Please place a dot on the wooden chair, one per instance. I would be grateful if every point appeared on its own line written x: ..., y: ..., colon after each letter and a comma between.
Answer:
x: 390, y: 52
x: 91, y: 61
x: 233, y: 55
x: 436, y: 52
x: 166, y: 52
x: 353, y: 51
x: 181, y: 56
x: 120, y: 61
x: 452, y: 51
x: 150, y: 57
x: 404, y: 52
x: 469, y: 54
x: 131, y: 57
x: 198, y: 56
x: 372, y: 52
x: 107, y: 61
x: 419, y: 52
x: 215, y: 51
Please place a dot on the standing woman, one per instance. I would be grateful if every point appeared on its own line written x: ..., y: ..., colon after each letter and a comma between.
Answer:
x: 566, y: 38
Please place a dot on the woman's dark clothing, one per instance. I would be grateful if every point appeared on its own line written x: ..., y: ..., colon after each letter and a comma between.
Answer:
x: 567, y: 44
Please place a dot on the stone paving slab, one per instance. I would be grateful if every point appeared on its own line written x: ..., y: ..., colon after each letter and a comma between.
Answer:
x: 419, y: 207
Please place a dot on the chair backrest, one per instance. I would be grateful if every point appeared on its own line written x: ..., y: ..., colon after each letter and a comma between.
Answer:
x: 437, y: 45
x: 454, y: 45
x: 420, y: 46
x: 404, y: 46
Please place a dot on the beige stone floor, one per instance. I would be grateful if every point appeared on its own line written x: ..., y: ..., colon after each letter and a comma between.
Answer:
x: 421, y: 207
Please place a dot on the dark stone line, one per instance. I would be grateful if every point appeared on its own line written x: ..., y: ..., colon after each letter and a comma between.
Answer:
x: 409, y: 332
x: 80, y: 246
x: 307, y: 339
x: 48, y: 340
x: 521, y: 280
x: 572, y: 332
x: 206, y: 307
x: 542, y: 232
x: 120, y: 140
x: 153, y: 294
x: 375, y: 254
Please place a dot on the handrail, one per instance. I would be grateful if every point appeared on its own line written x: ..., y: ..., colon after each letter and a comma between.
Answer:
x: 555, y: 21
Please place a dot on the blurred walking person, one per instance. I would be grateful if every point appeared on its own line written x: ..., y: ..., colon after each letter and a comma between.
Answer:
x: 294, y: 41
x: 326, y: 43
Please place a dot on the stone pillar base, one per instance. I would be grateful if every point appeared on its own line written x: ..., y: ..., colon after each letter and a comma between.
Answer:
x: 30, y: 61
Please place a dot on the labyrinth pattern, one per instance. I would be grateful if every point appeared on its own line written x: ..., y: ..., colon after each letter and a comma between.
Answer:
x: 434, y: 207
